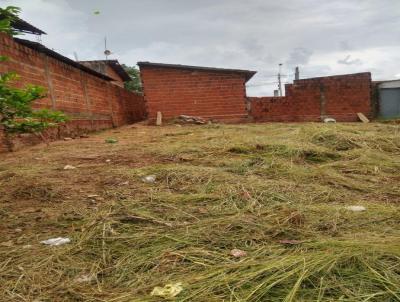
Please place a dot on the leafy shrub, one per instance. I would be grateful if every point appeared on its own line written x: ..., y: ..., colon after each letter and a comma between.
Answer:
x: 16, y: 113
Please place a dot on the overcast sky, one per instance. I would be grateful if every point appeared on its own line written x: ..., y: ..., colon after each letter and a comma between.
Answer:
x: 321, y: 37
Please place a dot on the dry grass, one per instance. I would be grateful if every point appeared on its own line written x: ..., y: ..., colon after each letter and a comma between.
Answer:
x: 277, y: 191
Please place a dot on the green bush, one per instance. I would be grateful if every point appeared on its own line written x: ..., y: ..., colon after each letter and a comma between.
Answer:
x: 16, y: 113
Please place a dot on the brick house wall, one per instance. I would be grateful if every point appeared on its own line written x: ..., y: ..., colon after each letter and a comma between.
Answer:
x: 3, y: 147
x: 112, y: 74
x: 91, y: 102
x: 104, y: 68
x: 340, y: 97
x: 204, y: 92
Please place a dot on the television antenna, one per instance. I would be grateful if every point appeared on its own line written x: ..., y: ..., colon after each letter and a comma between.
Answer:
x: 107, y: 52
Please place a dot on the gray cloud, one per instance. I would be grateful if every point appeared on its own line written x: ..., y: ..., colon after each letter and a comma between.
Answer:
x: 299, y: 56
x: 345, y: 45
x: 253, y: 34
x: 348, y: 61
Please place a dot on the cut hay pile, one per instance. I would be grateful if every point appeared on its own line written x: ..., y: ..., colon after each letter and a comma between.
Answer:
x: 280, y: 193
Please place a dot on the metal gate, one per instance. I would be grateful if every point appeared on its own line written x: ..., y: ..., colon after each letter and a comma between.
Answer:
x: 389, y: 106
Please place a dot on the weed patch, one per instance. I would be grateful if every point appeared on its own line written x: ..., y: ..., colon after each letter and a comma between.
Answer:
x: 282, y: 194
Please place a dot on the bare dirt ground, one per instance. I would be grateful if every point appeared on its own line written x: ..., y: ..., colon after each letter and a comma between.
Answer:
x: 278, y: 192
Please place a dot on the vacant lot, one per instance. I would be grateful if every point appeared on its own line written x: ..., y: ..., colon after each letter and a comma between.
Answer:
x: 278, y: 192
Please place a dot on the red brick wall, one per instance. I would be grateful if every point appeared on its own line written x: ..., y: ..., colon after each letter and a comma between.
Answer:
x: 339, y: 97
x: 112, y: 74
x: 3, y: 147
x: 207, y: 94
x: 91, y: 102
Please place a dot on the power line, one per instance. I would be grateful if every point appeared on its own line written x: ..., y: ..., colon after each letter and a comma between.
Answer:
x: 275, y: 75
x: 262, y: 83
x: 275, y: 82
x: 265, y: 84
x: 268, y: 76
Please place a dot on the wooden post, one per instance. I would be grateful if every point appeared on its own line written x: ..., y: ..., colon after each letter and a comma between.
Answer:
x: 159, y: 118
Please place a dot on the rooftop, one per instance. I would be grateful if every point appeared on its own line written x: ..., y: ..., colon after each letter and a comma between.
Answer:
x: 114, y: 64
x: 24, y: 27
x: 51, y: 53
x: 335, y: 76
x: 247, y: 73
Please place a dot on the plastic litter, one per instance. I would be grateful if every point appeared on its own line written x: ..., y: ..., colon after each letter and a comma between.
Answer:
x: 85, y: 278
x: 192, y: 119
x: 329, y: 120
x: 238, y: 253
x: 169, y: 291
x: 149, y: 179
x: 56, y: 241
x: 356, y: 208
x: 69, y: 167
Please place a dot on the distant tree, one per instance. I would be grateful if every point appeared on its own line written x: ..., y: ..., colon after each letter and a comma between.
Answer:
x: 135, y: 84
x: 16, y: 113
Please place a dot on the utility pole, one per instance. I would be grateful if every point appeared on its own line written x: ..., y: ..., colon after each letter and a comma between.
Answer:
x: 279, y: 80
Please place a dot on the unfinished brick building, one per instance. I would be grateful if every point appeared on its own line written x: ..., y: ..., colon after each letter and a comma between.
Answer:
x: 220, y: 94
x: 111, y: 68
x: 339, y: 97
x: 212, y: 93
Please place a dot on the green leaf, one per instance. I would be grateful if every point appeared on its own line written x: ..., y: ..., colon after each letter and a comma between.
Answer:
x: 7, y: 16
x: 135, y: 84
x: 16, y: 113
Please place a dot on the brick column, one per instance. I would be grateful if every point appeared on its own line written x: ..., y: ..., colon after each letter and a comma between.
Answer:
x: 5, y: 145
x: 322, y: 101
x: 110, y: 102
x: 49, y: 81
x: 87, y: 99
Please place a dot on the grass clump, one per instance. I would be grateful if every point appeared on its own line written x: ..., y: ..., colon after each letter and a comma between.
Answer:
x: 334, y: 141
x: 278, y: 192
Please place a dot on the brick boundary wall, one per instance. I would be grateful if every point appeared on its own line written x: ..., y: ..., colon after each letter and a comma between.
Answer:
x: 208, y: 94
x: 310, y: 100
x: 91, y: 102
x: 3, y: 147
